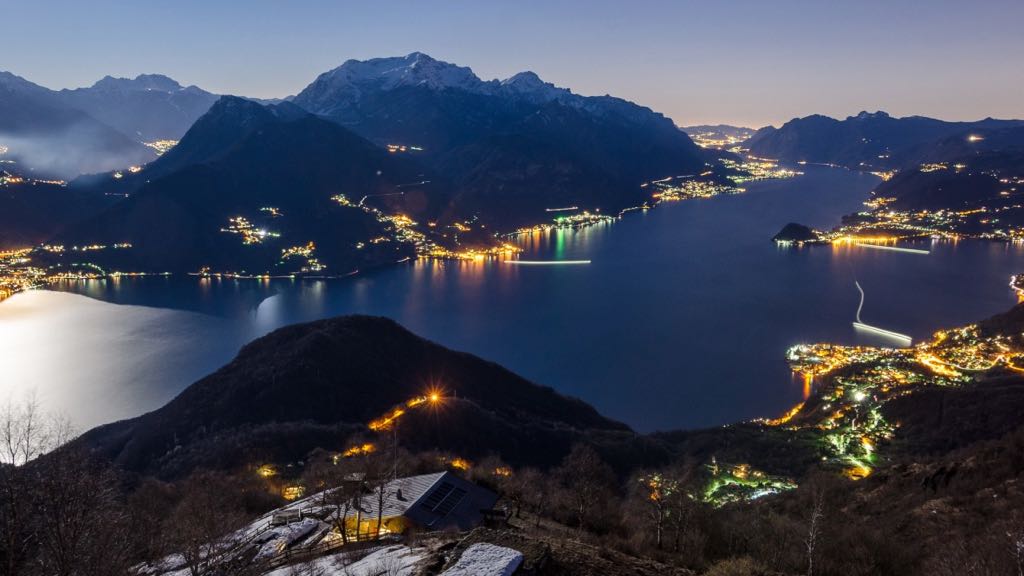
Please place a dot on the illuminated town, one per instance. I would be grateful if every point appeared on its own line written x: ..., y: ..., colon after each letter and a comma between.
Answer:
x: 669, y: 189
x: 9, y: 180
x: 429, y: 244
x: 248, y: 231
x: 161, y: 146
x: 708, y: 137
x: 402, y: 148
x: 996, y: 218
x: 702, y: 186
x: 847, y: 386
x: 730, y: 483
x: 17, y: 273
x: 752, y: 169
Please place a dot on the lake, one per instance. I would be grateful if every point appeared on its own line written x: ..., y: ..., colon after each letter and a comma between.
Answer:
x: 681, y: 320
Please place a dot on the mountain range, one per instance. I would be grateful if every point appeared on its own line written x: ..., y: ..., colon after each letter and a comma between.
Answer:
x: 874, y: 141
x: 510, y: 147
x: 146, y: 108
x: 409, y: 135
x: 61, y: 134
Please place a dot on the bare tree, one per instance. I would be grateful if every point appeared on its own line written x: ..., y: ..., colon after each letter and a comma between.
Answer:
x: 649, y: 497
x: 814, y: 527
x: 342, y: 482
x: 1015, y: 536
x: 80, y: 525
x: 201, y: 522
x: 377, y: 477
x: 25, y: 433
x: 587, y: 482
x: 14, y: 504
x: 683, y: 508
x: 535, y: 491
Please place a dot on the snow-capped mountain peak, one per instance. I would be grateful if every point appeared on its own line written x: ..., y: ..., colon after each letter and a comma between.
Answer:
x: 416, y: 69
x: 528, y: 84
x: 338, y: 92
x: 142, y: 82
x: 338, y: 88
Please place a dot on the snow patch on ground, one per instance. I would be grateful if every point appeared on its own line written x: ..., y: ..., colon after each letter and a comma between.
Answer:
x: 486, y: 560
x: 276, y: 540
x: 390, y: 561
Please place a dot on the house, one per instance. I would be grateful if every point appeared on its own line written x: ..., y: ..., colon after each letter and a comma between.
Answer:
x: 427, y: 502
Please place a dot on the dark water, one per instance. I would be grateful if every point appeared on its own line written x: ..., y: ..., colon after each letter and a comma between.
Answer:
x: 682, y: 319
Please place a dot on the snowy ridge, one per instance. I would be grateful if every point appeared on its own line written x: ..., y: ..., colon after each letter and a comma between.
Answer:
x: 335, y: 90
x: 142, y: 82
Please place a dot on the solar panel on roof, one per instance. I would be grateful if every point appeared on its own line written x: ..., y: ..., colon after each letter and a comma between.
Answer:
x: 450, y: 501
x: 437, y: 496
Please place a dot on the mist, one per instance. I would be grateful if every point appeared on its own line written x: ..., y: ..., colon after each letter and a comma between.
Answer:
x: 81, y: 147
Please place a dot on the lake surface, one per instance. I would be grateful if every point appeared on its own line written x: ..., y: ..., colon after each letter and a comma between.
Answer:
x: 682, y: 319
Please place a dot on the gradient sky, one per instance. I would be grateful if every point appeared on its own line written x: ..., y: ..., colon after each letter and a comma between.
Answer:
x: 743, y: 62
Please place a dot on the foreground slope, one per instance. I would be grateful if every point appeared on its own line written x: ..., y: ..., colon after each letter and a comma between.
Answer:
x: 314, y: 385
x: 944, y: 450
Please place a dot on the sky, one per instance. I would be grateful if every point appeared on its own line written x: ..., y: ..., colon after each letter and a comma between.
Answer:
x: 741, y: 62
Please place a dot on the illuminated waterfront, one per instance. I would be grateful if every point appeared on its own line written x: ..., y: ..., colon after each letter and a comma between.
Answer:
x: 682, y: 318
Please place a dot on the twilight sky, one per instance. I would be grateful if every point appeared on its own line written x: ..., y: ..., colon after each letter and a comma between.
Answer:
x: 735, y: 61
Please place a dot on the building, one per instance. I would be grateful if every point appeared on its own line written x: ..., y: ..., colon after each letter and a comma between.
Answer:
x: 427, y: 502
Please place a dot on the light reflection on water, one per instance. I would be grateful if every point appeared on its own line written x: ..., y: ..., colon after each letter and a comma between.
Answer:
x: 681, y: 320
x: 96, y: 362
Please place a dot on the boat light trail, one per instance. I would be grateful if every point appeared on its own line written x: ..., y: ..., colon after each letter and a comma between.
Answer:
x: 546, y: 262
x: 901, y: 338
x: 892, y: 248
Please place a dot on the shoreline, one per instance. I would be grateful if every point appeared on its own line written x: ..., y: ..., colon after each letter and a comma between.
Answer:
x: 692, y: 187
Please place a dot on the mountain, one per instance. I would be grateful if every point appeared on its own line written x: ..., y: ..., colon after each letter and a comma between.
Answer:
x: 976, y: 172
x: 254, y: 189
x: 212, y: 135
x: 49, y: 139
x: 147, y: 108
x: 511, y: 147
x: 96, y: 129
x: 317, y: 384
x: 33, y: 212
x: 865, y: 141
x: 998, y: 147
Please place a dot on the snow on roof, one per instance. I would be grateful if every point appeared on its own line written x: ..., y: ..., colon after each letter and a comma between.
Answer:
x: 435, y: 501
x: 400, y: 495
